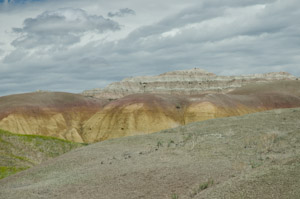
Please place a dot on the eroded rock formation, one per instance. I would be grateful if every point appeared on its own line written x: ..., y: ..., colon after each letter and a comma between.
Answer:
x: 185, y: 82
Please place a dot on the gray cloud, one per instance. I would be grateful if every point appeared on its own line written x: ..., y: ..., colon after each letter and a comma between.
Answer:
x: 250, y: 38
x: 60, y: 27
x: 121, y: 13
x: 226, y: 37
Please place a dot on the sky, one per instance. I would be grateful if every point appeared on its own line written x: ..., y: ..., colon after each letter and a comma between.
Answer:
x: 74, y: 45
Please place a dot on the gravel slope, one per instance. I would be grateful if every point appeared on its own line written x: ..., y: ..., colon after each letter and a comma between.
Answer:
x: 252, y: 156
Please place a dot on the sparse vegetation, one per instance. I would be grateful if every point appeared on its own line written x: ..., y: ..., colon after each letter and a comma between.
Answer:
x: 255, y: 164
x: 174, y: 196
x: 206, y: 185
x: 159, y: 144
x: 7, y: 171
x: 202, y: 187
x: 19, y: 152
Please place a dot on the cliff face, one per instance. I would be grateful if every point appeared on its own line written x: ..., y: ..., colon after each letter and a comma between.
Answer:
x: 59, y: 115
x: 186, y: 82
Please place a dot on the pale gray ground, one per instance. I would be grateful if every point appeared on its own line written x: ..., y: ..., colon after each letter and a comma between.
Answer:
x: 253, y: 156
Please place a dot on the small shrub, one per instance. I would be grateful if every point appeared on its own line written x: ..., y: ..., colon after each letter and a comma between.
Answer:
x: 202, y: 187
x: 159, y: 144
x: 255, y: 164
x: 174, y: 196
x: 206, y: 184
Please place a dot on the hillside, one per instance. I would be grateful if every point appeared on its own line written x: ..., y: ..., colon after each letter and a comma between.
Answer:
x: 19, y: 152
x: 250, y: 156
x: 53, y: 114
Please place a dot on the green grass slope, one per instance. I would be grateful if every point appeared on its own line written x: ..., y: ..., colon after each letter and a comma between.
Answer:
x: 251, y: 156
x: 19, y: 152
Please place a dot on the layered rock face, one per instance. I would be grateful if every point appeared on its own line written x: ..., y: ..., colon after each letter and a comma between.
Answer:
x: 53, y: 114
x: 185, y: 82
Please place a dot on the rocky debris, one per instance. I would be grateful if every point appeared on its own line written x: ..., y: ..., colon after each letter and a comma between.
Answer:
x: 184, y: 82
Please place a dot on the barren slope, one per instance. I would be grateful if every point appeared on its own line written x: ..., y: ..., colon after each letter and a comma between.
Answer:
x: 251, y: 156
x: 48, y: 113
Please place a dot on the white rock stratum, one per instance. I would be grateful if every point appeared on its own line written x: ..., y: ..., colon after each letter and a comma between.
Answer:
x: 184, y: 82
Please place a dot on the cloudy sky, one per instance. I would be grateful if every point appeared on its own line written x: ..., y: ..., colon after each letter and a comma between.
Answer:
x: 73, y: 45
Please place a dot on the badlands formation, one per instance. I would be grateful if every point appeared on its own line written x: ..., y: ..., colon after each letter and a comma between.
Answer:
x: 55, y: 114
x: 184, y: 82
x: 144, y: 105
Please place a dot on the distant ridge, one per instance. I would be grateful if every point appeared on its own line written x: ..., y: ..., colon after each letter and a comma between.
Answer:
x: 183, y: 82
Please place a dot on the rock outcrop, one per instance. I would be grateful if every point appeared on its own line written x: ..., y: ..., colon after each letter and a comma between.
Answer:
x: 185, y: 82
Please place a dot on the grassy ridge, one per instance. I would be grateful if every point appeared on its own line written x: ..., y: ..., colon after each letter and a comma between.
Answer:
x: 19, y: 152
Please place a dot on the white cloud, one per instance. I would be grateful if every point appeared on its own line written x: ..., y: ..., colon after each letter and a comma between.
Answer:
x: 121, y: 13
x: 60, y: 27
x: 171, y: 33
